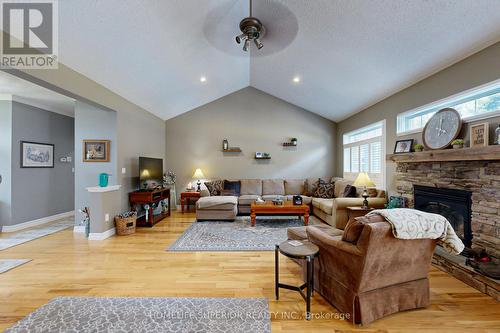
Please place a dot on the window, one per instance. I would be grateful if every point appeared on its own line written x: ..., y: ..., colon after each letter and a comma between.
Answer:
x: 364, y: 151
x: 478, y: 103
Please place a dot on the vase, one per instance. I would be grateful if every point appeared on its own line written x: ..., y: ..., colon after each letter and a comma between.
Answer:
x: 458, y: 146
x: 103, y: 179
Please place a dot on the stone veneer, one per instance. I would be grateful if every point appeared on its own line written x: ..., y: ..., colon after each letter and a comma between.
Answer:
x: 482, y: 178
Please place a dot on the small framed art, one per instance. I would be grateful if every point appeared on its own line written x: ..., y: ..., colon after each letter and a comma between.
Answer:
x: 96, y: 150
x: 479, y: 135
x: 403, y: 146
x: 37, y: 155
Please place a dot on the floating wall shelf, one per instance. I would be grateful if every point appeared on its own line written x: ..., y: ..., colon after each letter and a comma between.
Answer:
x: 263, y: 158
x: 289, y: 144
x: 232, y: 150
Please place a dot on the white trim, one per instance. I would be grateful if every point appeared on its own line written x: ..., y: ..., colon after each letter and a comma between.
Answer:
x: 37, y: 104
x: 110, y: 188
x: 102, y: 235
x: 34, y: 223
x: 77, y: 229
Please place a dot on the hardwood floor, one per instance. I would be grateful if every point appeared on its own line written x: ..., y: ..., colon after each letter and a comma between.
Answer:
x: 138, y: 265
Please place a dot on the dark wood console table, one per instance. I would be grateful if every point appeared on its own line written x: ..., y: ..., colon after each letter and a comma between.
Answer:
x: 146, y: 197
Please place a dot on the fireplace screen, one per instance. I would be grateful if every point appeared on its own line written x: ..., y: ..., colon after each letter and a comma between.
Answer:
x: 453, y: 204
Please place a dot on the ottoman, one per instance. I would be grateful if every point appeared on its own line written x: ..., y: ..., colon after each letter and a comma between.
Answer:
x: 217, y: 208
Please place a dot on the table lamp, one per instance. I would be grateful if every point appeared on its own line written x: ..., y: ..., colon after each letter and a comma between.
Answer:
x: 364, y: 180
x: 198, y: 174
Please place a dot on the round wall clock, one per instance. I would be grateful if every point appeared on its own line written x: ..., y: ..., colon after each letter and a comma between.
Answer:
x: 442, y: 129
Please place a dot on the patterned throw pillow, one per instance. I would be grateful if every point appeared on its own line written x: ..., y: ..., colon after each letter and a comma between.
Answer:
x: 215, y: 187
x: 350, y: 191
x: 324, y: 190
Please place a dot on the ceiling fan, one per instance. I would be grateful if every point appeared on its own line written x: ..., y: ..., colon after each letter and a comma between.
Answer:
x: 252, y: 30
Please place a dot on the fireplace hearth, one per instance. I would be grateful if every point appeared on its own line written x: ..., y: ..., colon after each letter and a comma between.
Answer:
x: 453, y: 204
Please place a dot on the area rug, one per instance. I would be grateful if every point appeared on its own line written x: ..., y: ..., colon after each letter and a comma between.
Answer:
x: 237, y: 235
x: 8, y: 264
x: 124, y: 314
x: 34, y: 233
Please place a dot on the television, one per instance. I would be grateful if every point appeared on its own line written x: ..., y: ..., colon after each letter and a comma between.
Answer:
x: 150, y: 169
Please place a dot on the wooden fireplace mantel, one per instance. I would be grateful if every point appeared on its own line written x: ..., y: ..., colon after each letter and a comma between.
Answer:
x: 489, y: 153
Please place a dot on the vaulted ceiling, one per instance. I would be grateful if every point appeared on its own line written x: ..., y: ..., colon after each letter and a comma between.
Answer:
x: 348, y: 54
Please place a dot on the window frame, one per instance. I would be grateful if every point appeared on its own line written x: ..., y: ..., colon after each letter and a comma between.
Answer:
x: 450, y: 101
x: 382, y: 139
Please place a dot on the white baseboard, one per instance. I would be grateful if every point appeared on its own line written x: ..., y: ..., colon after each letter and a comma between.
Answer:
x: 102, y: 235
x: 79, y: 229
x: 34, y: 223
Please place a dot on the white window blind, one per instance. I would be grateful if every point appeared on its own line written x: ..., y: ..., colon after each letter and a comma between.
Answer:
x: 364, y: 152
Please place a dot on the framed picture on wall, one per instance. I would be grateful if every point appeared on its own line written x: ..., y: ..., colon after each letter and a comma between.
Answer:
x: 37, y: 155
x: 403, y: 146
x: 96, y: 150
x: 479, y: 135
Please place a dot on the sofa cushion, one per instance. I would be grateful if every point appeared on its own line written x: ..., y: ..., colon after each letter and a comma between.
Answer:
x: 247, y: 199
x: 294, y: 186
x: 325, y: 205
x: 251, y: 187
x: 273, y: 186
x: 217, y: 202
x: 352, y: 231
x: 215, y: 187
x: 234, y: 186
x: 324, y: 190
x: 349, y: 192
x: 305, y: 199
x: 340, y: 185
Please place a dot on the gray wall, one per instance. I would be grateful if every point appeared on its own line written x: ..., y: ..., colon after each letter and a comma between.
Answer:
x: 254, y: 121
x: 478, y: 69
x: 37, y: 192
x: 93, y: 123
x: 5, y: 158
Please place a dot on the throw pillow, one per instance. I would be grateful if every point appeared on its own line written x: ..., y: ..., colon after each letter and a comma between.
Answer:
x: 324, y: 190
x: 350, y: 191
x: 372, y: 192
x: 310, y: 186
x: 352, y: 231
x: 234, y: 186
x: 215, y: 187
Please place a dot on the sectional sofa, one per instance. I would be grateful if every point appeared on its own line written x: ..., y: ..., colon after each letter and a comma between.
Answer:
x: 331, y: 210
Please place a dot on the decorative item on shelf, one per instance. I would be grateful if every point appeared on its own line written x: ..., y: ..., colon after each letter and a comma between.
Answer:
x: 86, y: 220
x: 442, y: 129
x: 418, y: 147
x: 104, y: 179
x: 291, y: 143
x: 479, y: 135
x: 198, y: 174
x: 497, y: 135
x: 189, y: 187
x: 403, y: 146
x: 297, y: 200
x: 225, y: 144
x: 457, y: 143
x: 37, y: 155
x: 96, y: 150
x: 125, y: 223
x: 363, y: 180
x: 262, y: 156
x: 259, y: 201
x: 278, y: 201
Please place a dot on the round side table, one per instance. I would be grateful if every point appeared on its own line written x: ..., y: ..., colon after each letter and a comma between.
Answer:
x: 307, y: 251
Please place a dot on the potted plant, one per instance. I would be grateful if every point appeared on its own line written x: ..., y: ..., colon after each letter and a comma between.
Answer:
x: 457, y: 143
x: 418, y: 147
x: 293, y: 141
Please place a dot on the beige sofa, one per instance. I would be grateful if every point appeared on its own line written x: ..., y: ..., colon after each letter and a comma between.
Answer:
x: 331, y: 211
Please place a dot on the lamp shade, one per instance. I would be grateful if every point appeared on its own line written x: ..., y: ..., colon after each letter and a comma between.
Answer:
x: 198, y: 174
x: 363, y: 180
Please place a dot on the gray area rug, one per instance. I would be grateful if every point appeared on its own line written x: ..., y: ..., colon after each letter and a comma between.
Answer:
x: 34, y: 233
x: 124, y: 314
x: 237, y: 235
x: 8, y: 264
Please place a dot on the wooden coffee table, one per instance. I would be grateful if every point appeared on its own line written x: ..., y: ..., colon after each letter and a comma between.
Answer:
x: 288, y: 208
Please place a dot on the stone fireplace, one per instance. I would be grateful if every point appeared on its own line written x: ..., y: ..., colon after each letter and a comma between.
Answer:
x: 468, y: 191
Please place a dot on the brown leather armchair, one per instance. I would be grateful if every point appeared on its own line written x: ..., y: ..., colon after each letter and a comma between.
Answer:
x: 377, y: 276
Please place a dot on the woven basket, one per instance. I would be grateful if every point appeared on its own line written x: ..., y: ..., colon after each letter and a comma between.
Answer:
x: 125, y: 225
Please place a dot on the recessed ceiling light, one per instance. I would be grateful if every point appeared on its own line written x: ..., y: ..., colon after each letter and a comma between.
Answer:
x: 203, y: 79
x: 296, y: 79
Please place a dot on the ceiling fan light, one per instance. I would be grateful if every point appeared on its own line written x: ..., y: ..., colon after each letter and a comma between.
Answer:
x: 240, y: 38
x: 246, y: 45
x: 258, y: 43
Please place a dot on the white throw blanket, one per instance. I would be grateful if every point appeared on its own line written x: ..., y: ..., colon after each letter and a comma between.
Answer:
x: 414, y: 224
